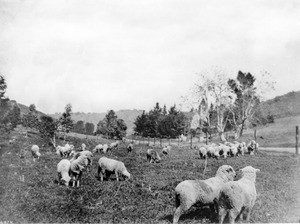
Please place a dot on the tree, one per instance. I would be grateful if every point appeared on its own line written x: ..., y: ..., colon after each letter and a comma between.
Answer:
x: 141, y: 124
x: 214, y: 91
x: 111, y: 126
x: 9, y: 111
x: 65, y: 121
x: 79, y: 127
x: 48, y: 128
x: 89, y: 128
x: 30, y: 120
x: 247, y: 99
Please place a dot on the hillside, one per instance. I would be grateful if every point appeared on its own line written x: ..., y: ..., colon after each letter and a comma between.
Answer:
x: 283, y: 106
x: 128, y: 116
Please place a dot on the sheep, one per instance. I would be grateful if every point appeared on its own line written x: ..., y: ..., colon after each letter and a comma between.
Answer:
x: 252, y: 147
x: 105, y: 148
x: 64, y: 151
x: 86, y: 153
x: 108, y: 166
x: 83, y: 146
x: 212, y: 151
x: 98, y: 148
x: 238, y: 197
x: 63, y: 169
x: 153, y: 156
x: 166, y: 150
x: 77, y: 166
x: 12, y: 141
x: 242, y: 148
x: 202, y: 152
x: 224, y: 150
x: 130, y: 147
x: 114, y: 145
x: 35, y: 151
x: 201, y: 192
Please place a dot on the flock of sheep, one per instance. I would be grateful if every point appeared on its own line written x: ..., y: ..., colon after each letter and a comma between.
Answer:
x: 222, y: 194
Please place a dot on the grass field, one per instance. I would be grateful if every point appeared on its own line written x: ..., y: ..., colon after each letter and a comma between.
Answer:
x: 146, y: 198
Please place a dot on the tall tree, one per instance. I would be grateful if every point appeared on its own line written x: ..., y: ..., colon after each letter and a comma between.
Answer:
x: 30, y: 120
x: 247, y: 99
x: 48, y: 128
x: 213, y: 89
x: 89, y: 128
x: 111, y: 126
x: 65, y: 121
x: 140, y: 123
x: 79, y: 127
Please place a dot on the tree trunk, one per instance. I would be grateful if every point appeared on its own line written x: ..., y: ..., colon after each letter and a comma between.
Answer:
x: 221, y: 133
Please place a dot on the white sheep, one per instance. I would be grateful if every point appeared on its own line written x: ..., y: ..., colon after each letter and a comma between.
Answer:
x: 64, y: 151
x: 224, y: 150
x: 108, y: 166
x: 201, y: 192
x: 238, y: 197
x: 35, y: 151
x: 98, y: 148
x: 77, y: 167
x: 242, y: 148
x: 166, y: 150
x: 202, y: 152
x: 63, y: 169
x: 105, y: 148
x: 252, y: 147
x: 153, y: 156
x: 130, y: 147
x: 86, y: 153
x: 83, y: 146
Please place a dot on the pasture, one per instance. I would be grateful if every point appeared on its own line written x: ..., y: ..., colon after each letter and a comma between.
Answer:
x: 146, y: 198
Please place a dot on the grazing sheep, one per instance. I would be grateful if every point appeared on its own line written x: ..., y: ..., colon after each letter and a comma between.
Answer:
x: 77, y: 166
x: 252, y: 147
x: 64, y: 151
x: 153, y: 156
x: 238, y: 197
x: 35, y: 151
x: 114, y: 145
x: 83, y: 146
x: 242, y: 148
x: 63, y: 169
x: 201, y: 192
x: 108, y: 166
x: 86, y: 153
x: 166, y: 150
x: 105, y: 148
x: 130, y: 147
x: 224, y: 150
x: 98, y: 148
x: 202, y: 152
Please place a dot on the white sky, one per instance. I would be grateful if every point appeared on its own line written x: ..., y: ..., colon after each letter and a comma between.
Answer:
x: 101, y: 55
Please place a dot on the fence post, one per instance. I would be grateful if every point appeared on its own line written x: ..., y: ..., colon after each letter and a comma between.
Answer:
x: 297, y: 139
x: 191, y: 141
x: 255, y: 135
x: 160, y: 142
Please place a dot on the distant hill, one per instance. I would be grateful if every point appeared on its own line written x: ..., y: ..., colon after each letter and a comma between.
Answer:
x: 23, y: 109
x: 128, y: 116
x: 286, y: 105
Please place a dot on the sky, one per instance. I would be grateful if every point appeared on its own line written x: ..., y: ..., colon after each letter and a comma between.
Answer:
x: 102, y: 55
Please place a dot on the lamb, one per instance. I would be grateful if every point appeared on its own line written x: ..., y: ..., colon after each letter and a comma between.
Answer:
x: 64, y: 151
x: 238, y: 197
x: 153, y: 156
x: 86, y: 153
x: 166, y: 150
x: 63, y: 168
x: 202, y: 152
x: 252, y: 147
x: 130, y: 147
x: 201, y: 192
x: 77, y: 166
x: 98, y: 148
x: 35, y: 151
x: 108, y: 166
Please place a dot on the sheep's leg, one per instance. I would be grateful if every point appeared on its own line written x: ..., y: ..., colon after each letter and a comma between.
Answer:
x: 117, y: 176
x: 233, y: 213
x: 222, y: 214
x: 248, y: 214
x: 240, y: 216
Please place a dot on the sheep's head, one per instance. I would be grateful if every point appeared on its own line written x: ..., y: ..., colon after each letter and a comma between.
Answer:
x: 126, y: 174
x: 226, y: 172
x: 249, y: 172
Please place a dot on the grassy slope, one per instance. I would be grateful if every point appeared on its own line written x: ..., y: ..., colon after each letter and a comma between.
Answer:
x: 148, y: 197
x: 282, y: 133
